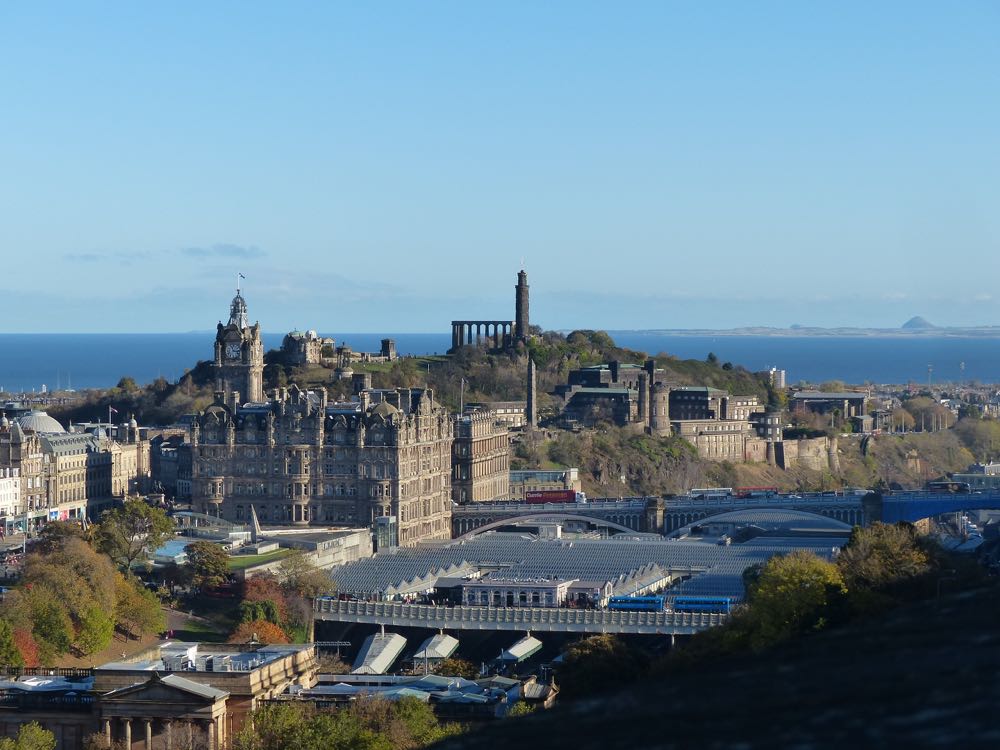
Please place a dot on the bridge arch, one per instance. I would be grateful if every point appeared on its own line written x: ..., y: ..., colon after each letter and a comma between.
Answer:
x: 768, y: 516
x: 546, y: 517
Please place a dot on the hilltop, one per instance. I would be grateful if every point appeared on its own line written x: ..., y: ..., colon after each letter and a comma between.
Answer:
x: 922, y: 675
x: 917, y: 323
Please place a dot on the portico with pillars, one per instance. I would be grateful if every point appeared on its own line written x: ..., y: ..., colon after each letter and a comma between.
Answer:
x: 495, y: 334
x: 165, y: 713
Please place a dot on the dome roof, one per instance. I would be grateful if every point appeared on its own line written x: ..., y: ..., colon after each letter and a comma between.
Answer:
x: 385, y: 409
x: 39, y: 421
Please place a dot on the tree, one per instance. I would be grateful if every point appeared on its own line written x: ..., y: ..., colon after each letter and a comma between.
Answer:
x: 137, y: 609
x: 127, y: 384
x: 52, y: 627
x: 126, y: 533
x: 902, y: 420
x: 301, y: 577
x: 266, y: 587
x: 598, y: 664
x: 882, y: 555
x: 30, y: 736
x: 260, y: 631
x: 455, y: 667
x: 78, y: 581
x: 10, y: 654
x: 55, y: 533
x: 95, y: 631
x: 792, y: 594
x: 27, y: 647
x: 259, y: 610
x: 209, y: 563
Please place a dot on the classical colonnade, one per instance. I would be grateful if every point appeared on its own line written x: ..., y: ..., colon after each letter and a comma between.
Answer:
x: 175, y: 733
x: 499, y: 333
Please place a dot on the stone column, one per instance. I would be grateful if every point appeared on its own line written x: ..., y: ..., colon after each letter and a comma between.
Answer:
x: 209, y: 726
x: 170, y: 735
x: 149, y: 734
x: 107, y: 730
x: 190, y: 733
x: 128, y: 733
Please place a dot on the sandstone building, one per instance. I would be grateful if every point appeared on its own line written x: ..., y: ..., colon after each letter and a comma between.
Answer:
x: 480, y: 458
x: 71, y: 475
x: 239, y: 354
x: 383, y: 460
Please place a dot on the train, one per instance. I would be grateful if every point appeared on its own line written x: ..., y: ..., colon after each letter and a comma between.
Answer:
x: 637, y: 603
x: 719, y: 604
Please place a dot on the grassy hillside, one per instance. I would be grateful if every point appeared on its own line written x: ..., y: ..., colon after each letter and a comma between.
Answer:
x: 892, y: 681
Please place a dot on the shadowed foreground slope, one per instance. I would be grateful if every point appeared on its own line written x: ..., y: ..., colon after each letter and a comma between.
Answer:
x: 922, y: 675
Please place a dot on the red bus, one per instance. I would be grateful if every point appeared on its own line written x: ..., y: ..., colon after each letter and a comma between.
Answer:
x: 536, y: 497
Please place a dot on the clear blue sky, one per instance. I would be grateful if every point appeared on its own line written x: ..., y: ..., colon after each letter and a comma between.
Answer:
x: 386, y: 166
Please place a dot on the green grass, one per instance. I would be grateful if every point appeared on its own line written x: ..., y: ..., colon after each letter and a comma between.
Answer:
x: 242, y: 562
x: 195, y: 630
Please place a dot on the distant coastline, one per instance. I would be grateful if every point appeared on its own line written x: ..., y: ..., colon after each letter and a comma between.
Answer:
x: 804, y: 331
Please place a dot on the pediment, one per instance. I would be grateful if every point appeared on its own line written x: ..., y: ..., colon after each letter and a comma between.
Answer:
x: 155, y: 690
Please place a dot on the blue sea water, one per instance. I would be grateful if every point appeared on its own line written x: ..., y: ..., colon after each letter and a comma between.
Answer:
x: 852, y: 359
x: 98, y: 360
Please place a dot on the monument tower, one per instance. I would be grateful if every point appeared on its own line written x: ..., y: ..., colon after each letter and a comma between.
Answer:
x: 239, y: 354
x: 521, y: 326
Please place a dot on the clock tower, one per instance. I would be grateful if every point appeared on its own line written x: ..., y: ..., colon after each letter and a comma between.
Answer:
x: 239, y: 354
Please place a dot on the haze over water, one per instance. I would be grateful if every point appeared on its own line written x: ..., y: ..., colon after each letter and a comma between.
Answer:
x: 99, y: 360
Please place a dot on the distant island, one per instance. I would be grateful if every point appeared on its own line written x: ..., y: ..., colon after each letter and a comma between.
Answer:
x: 915, y: 326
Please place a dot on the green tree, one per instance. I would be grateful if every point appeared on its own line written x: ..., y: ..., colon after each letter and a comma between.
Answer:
x: 300, y: 576
x: 126, y: 533
x: 882, y: 555
x: 30, y: 736
x: 137, y: 610
x: 793, y: 593
x: 52, y: 627
x: 95, y: 631
x: 259, y: 610
x: 55, y: 533
x: 209, y: 563
x: 10, y: 654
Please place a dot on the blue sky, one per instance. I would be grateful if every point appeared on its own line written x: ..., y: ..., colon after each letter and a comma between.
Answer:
x: 386, y: 167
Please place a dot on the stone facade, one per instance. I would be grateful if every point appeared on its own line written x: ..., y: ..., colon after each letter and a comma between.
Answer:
x: 301, y: 461
x: 70, y: 475
x: 239, y: 354
x: 480, y: 459
x: 305, y: 348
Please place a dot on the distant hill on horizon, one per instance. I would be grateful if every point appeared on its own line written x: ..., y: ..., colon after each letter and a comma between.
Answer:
x: 914, y: 327
x: 917, y: 323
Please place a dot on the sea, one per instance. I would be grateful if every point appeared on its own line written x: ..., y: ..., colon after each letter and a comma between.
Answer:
x: 29, y: 362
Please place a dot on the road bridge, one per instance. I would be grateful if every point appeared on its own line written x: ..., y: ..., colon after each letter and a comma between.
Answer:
x: 534, y: 619
x: 653, y: 514
x: 666, y: 515
x: 678, y: 512
x: 916, y: 505
x: 630, y: 514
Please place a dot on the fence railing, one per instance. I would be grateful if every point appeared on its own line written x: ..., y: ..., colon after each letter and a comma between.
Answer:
x: 595, y: 619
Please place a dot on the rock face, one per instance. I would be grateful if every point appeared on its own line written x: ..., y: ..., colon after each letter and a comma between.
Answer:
x: 917, y: 323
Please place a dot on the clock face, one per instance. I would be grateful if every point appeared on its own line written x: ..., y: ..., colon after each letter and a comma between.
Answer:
x: 232, y: 351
